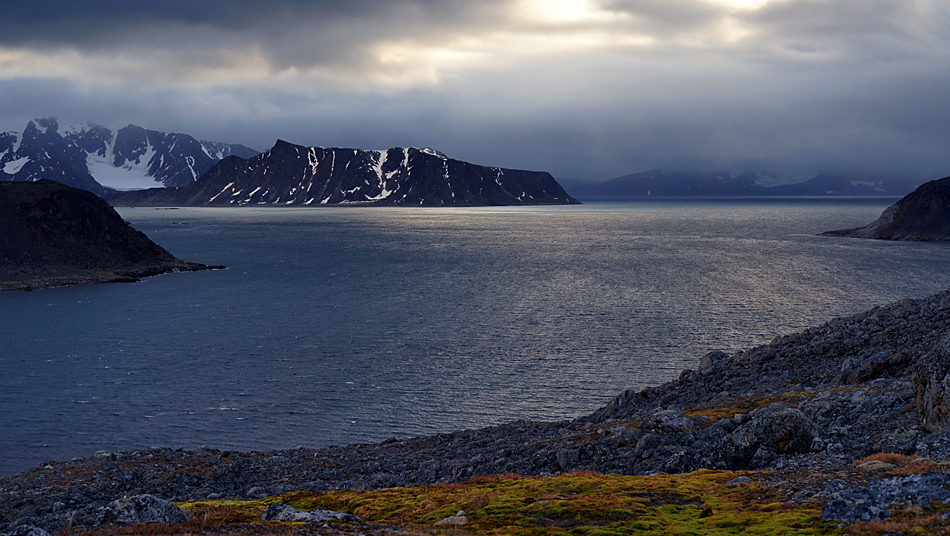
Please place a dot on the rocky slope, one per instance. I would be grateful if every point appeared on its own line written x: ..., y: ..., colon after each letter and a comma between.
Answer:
x: 798, y: 411
x: 289, y: 175
x: 923, y: 214
x: 94, y: 158
x: 56, y: 235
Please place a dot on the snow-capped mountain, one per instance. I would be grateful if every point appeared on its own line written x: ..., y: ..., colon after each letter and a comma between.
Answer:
x: 291, y: 174
x: 95, y: 158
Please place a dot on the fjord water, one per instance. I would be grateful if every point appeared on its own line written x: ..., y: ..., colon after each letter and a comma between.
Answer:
x: 341, y: 325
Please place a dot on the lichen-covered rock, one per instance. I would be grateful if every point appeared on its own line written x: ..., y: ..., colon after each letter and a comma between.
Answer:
x: 285, y: 512
x: 873, y: 502
x: 931, y: 381
x: 141, y: 509
x: 27, y: 530
x: 769, y: 430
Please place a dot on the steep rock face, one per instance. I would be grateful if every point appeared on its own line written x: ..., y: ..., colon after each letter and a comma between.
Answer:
x: 55, y: 234
x: 90, y: 156
x: 291, y: 174
x: 923, y: 214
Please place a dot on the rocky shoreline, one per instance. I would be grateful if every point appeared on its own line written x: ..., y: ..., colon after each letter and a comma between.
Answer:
x: 795, y: 411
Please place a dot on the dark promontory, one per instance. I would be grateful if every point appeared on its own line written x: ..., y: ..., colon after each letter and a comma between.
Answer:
x: 295, y: 175
x: 923, y: 214
x: 56, y: 235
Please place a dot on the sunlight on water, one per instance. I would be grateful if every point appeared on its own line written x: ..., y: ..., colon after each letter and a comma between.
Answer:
x: 338, y: 325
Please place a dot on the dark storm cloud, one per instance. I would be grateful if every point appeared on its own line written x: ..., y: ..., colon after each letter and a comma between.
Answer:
x: 582, y: 89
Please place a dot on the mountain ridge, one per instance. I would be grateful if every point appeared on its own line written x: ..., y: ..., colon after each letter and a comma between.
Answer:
x: 297, y: 175
x: 97, y: 159
x: 660, y: 183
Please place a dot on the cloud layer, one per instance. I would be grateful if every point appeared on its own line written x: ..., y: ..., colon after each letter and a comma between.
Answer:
x: 582, y: 88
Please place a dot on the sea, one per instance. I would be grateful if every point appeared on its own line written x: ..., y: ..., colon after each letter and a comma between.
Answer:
x: 337, y: 325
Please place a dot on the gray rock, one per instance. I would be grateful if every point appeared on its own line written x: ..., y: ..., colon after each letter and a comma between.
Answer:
x: 27, y: 530
x: 738, y: 480
x: 285, y: 512
x: 872, y: 503
x: 567, y: 459
x: 258, y: 492
x: 646, y: 445
x: 141, y: 509
x: 670, y: 420
x: 710, y: 360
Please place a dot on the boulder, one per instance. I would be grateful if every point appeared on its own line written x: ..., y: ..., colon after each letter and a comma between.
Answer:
x: 141, y: 509
x: 768, y: 430
x: 285, y: 512
x: 457, y: 519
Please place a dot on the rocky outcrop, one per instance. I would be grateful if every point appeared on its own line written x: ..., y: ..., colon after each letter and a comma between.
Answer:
x: 54, y: 235
x: 141, y: 509
x: 294, y: 175
x: 931, y: 382
x: 923, y: 214
x: 873, y: 502
x: 285, y: 512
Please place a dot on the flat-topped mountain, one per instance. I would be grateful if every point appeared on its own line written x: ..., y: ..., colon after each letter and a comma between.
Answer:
x: 96, y: 159
x: 291, y: 174
x: 55, y: 235
x: 923, y: 214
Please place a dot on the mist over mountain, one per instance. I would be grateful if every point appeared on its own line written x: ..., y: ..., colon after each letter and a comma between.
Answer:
x: 97, y: 159
x: 291, y: 174
x: 667, y: 183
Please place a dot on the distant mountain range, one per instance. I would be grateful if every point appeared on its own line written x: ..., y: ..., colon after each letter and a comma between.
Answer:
x: 97, y: 159
x: 664, y: 183
x: 291, y: 174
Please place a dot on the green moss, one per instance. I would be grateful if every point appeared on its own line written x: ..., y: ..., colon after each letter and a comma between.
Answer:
x: 578, y: 503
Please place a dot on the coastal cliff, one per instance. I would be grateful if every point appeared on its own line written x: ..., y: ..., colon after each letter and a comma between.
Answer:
x: 857, y: 407
x: 922, y: 215
x: 56, y: 235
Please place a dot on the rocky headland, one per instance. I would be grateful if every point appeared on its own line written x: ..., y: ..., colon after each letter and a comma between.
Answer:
x: 56, y: 235
x: 923, y: 215
x: 850, y: 419
x: 295, y: 175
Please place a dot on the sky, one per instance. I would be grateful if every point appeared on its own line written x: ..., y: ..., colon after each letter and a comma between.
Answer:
x: 584, y: 89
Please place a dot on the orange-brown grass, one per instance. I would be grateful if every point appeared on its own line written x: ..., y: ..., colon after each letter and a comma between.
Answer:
x: 927, y: 524
x: 886, y: 457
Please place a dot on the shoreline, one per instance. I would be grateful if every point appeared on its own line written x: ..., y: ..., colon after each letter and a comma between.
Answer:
x: 69, y: 277
x: 807, y: 403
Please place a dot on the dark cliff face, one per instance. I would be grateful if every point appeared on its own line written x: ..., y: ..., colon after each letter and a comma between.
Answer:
x: 57, y: 233
x: 923, y: 214
x: 290, y: 175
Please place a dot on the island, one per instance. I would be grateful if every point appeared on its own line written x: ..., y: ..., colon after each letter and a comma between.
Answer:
x: 55, y: 235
